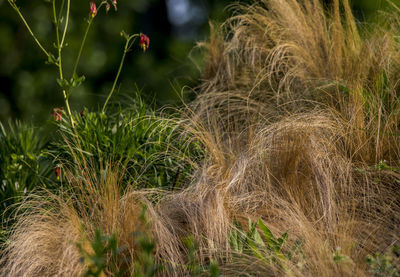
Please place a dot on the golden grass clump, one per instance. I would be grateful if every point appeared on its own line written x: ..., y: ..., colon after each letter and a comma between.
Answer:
x: 297, y: 111
x: 273, y: 58
x: 44, y: 240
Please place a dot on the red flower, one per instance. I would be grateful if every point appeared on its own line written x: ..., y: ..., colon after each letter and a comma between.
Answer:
x: 93, y: 10
x: 57, y: 171
x: 108, y: 6
x: 114, y: 2
x: 57, y: 113
x: 144, y: 42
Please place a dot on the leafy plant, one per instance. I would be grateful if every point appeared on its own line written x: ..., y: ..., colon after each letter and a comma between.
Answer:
x: 145, y: 265
x: 253, y: 244
x: 24, y: 163
x: 387, y: 264
x: 146, y: 145
x: 103, y: 254
x: 261, y: 243
x: 194, y: 266
x: 339, y: 257
x: 96, y: 258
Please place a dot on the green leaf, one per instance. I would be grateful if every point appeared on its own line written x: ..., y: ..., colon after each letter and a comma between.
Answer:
x: 258, y: 240
x: 269, y: 237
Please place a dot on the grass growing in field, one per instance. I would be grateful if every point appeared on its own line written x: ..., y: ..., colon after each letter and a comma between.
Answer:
x: 287, y: 162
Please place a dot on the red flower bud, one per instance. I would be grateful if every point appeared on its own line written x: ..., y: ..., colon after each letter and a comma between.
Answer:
x: 93, y: 10
x: 114, y: 2
x: 108, y: 6
x: 144, y: 42
x: 57, y: 113
x: 57, y: 172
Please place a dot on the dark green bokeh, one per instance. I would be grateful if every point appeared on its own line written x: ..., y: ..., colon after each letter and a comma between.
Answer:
x: 28, y: 87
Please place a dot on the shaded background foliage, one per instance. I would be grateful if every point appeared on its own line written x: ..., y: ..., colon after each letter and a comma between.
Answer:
x: 28, y: 89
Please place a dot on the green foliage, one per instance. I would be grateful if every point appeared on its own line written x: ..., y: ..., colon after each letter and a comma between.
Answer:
x: 387, y: 264
x: 144, y: 144
x: 339, y: 257
x: 194, y: 266
x: 251, y: 243
x: 24, y: 163
x: 97, y: 261
x: 145, y: 264
x: 261, y: 243
x: 166, y: 63
x: 104, y: 254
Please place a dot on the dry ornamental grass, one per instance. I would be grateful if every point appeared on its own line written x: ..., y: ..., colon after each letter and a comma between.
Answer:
x: 297, y: 110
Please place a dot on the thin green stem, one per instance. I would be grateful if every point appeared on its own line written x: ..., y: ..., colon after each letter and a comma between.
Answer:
x: 56, y: 23
x: 127, y: 47
x: 67, y: 105
x: 59, y: 47
x: 54, y: 13
x: 66, y: 24
x: 84, y: 39
x: 60, y: 63
x: 27, y: 26
x: 116, y: 77
x: 61, y: 9
x: 81, y: 48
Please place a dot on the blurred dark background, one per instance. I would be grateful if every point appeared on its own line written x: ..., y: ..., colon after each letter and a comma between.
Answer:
x: 28, y: 87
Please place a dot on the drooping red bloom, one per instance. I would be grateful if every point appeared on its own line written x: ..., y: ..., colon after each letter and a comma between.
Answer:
x: 57, y: 113
x: 144, y: 42
x: 57, y: 172
x: 108, y: 6
x: 93, y: 10
x: 114, y: 2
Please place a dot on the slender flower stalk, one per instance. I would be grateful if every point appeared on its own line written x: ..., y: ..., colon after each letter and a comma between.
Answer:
x: 60, y: 45
x: 92, y: 13
x: 127, y: 48
x: 15, y: 7
x: 66, y: 23
x: 82, y: 45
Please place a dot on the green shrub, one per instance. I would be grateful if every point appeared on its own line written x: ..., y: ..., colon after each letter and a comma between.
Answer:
x: 102, y: 246
x: 387, y: 264
x: 261, y: 244
x: 145, y: 264
x: 194, y: 266
x: 104, y: 255
x: 24, y: 161
x: 147, y: 146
